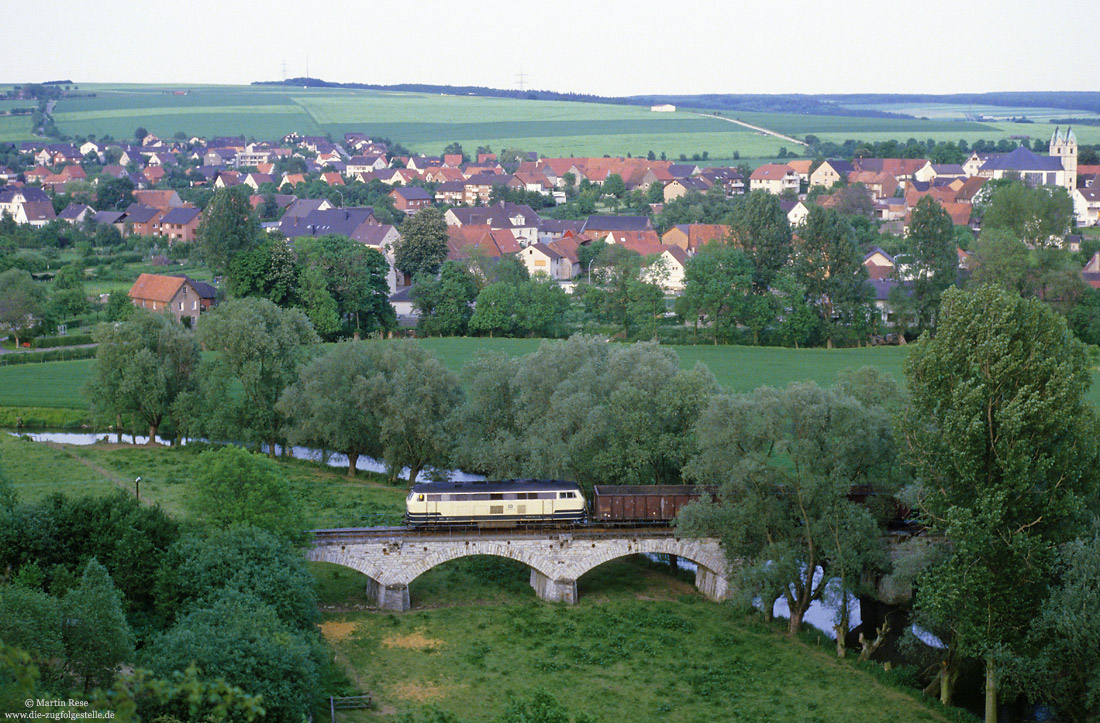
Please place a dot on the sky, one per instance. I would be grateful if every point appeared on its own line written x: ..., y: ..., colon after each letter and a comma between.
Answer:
x: 590, y: 46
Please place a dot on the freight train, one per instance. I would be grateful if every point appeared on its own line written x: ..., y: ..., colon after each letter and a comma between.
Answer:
x: 521, y: 502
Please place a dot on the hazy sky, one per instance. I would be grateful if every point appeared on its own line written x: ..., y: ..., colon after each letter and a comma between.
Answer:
x: 591, y: 46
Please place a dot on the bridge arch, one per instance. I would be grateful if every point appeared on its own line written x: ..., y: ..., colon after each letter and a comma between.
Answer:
x: 556, y: 561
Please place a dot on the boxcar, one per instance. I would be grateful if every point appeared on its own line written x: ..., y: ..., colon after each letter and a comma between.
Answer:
x: 643, y: 503
x: 499, y: 503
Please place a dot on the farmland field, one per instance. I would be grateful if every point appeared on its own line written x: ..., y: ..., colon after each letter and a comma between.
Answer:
x: 422, y: 122
x: 426, y: 122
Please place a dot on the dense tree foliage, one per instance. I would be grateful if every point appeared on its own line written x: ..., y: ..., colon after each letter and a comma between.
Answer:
x: 423, y: 245
x: 142, y: 366
x: 22, y: 303
x: 355, y: 278
x: 1005, y: 449
x: 228, y: 228
x: 260, y: 347
x: 445, y: 303
x: 582, y: 409
x: 785, y: 462
x: 234, y: 486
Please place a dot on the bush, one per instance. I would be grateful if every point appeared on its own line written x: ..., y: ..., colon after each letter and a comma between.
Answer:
x: 48, y: 342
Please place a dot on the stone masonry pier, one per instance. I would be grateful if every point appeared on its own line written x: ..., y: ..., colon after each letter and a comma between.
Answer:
x: 394, y: 559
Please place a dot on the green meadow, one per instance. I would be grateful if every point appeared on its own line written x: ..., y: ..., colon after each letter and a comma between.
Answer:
x: 737, y: 368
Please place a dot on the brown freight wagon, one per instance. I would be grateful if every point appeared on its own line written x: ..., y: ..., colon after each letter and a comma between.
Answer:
x: 644, y: 503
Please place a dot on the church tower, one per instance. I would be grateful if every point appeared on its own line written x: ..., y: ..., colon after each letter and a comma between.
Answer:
x: 1064, y: 147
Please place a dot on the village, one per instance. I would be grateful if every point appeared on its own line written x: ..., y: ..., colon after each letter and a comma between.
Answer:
x: 297, y: 186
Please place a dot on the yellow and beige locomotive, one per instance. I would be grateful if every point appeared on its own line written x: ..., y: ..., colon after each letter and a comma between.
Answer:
x: 499, y: 503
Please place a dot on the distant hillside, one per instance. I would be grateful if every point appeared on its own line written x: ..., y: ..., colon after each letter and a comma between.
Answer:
x: 1074, y: 100
x: 801, y: 104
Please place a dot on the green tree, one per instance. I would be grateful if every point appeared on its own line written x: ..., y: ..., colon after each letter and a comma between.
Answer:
x: 423, y: 244
x: 228, y: 228
x: 416, y: 395
x: 759, y: 227
x: 497, y: 310
x: 142, y: 366
x: 22, y: 303
x: 1038, y: 216
x: 235, y: 486
x: 1004, y: 447
x: 114, y: 194
x: 935, y: 261
x: 1067, y: 665
x: 828, y: 262
x: 243, y: 558
x: 717, y: 282
x: 444, y: 304
x: 614, y: 186
x: 269, y: 270
x: 356, y: 279
x: 1001, y: 258
x: 785, y: 462
x: 317, y: 302
x: 31, y: 621
x: 97, y: 636
x: 321, y: 408
x: 260, y: 347
x: 234, y: 636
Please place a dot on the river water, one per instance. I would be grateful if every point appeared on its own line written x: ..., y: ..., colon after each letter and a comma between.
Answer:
x: 332, y: 459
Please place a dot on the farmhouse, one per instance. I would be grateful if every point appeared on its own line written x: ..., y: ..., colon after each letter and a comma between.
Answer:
x: 180, y: 296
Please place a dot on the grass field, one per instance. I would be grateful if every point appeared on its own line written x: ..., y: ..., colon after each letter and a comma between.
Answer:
x: 641, y: 643
x: 737, y: 368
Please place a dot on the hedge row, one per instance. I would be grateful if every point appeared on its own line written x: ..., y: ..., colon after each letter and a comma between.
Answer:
x: 62, y: 354
x: 50, y: 342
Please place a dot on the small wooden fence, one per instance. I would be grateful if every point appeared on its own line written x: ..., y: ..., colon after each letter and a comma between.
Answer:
x: 348, y: 703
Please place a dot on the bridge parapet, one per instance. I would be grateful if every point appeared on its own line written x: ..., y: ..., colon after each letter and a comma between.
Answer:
x: 394, y: 559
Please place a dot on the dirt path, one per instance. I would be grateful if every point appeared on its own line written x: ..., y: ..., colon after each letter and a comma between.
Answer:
x: 120, y: 482
x: 765, y: 131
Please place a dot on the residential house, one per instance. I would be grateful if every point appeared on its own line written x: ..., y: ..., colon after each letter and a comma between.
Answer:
x: 365, y: 164
x: 879, y: 264
x: 452, y: 193
x: 520, y: 219
x: 802, y: 168
x: 568, y: 247
x: 180, y: 224
x: 552, y: 229
x: 691, y: 236
x: 646, y: 243
x: 177, y: 295
x: 142, y: 220
x: 679, y: 187
x: 831, y: 171
x: 880, y: 183
x: 34, y: 213
x: 1086, y: 205
x: 797, y: 213
x: 76, y: 213
x: 541, y: 259
x: 1091, y: 272
x: 410, y: 199
x: 163, y: 200
x: 599, y: 225
x: 774, y: 178
x: 479, y: 187
x: 667, y: 271
x: 351, y: 222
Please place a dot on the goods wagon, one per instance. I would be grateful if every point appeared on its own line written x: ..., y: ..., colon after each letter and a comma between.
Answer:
x: 644, y: 503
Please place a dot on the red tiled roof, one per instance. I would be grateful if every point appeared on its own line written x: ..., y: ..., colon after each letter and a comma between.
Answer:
x: 154, y: 287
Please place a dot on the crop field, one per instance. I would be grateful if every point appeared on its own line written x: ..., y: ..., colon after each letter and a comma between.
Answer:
x: 421, y: 122
x: 426, y: 123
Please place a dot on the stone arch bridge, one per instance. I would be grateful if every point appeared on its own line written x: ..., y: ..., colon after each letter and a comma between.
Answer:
x: 393, y: 557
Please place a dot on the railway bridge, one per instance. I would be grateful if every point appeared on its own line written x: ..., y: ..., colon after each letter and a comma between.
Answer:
x: 392, y: 557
